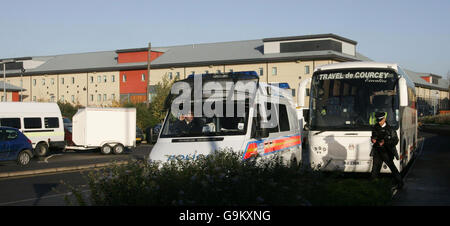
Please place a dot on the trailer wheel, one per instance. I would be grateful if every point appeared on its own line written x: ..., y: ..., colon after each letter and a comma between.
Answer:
x: 41, y: 149
x: 118, y: 149
x: 106, y: 149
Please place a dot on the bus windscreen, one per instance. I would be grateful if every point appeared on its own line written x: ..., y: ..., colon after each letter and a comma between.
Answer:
x: 347, y: 99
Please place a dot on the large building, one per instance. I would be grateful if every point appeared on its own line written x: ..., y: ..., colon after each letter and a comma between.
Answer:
x: 100, y: 78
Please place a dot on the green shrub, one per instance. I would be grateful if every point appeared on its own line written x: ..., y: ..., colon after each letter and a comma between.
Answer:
x: 436, y: 119
x: 223, y: 179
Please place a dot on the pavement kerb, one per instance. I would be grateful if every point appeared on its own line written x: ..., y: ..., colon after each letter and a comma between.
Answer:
x: 59, y: 169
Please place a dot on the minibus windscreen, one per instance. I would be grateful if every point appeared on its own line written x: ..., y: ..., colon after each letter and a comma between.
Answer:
x: 228, y: 119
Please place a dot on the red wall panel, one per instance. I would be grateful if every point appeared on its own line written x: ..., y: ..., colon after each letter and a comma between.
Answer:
x: 15, y: 96
x: 134, y: 57
x: 134, y: 83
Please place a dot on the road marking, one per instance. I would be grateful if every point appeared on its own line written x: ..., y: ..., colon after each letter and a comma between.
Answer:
x: 40, y: 198
x: 46, y: 159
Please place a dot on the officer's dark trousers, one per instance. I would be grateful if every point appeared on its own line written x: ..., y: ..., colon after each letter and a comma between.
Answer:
x: 381, y: 155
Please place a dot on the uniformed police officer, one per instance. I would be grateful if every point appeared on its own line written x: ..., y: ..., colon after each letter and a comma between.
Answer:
x: 384, y: 140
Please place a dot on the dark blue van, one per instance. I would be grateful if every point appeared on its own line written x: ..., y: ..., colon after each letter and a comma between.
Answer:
x: 15, y: 146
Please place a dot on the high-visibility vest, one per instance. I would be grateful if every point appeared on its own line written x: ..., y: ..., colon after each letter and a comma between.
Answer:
x: 373, y: 120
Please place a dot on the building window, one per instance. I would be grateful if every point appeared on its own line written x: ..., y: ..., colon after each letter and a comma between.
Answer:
x: 73, y: 99
x: 143, y: 77
x: 261, y: 71
x: 91, y: 79
x: 105, y: 79
x: 34, y: 82
x: 177, y: 76
x: 73, y: 80
x: 113, y: 78
x: 99, y: 97
x: 43, y: 81
x: 62, y: 81
x: 170, y: 75
x: 52, y: 98
x: 92, y: 98
x: 62, y: 98
x: 99, y: 79
x: 105, y: 98
x: 52, y: 81
x: 307, y: 69
x: 206, y: 72
x: 274, y: 70
x: 113, y: 97
x: 124, y: 78
x: 231, y: 70
x: 34, y: 98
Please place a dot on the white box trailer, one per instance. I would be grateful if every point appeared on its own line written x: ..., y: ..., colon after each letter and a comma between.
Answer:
x: 110, y: 129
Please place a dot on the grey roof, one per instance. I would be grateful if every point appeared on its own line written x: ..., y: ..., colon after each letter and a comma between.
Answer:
x: 9, y: 87
x: 443, y: 84
x: 330, y: 35
x: 235, y: 52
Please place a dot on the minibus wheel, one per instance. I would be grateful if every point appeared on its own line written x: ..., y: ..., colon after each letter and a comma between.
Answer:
x: 41, y: 149
x: 118, y: 149
x: 106, y: 149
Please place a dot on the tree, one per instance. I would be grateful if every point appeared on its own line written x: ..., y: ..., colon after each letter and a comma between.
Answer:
x: 157, y: 102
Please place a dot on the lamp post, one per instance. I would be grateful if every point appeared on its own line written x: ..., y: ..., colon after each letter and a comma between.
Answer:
x: 148, y: 72
x: 4, y: 62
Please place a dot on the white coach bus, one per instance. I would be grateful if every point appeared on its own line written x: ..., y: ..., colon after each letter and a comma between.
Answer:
x: 343, y: 100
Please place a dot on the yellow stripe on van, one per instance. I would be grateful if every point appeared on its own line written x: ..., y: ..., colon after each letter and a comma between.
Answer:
x: 43, y: 134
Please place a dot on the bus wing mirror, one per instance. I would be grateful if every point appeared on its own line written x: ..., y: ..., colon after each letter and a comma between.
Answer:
x: 403, y: 91
x: 302, y: 92
x: 306, y: 115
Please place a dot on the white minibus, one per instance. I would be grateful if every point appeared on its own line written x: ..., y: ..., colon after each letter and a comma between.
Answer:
x: 252, y: 118
x: 41, y: 122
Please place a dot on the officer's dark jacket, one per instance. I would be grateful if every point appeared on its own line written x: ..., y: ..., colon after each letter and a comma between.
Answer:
x: 388, y: 135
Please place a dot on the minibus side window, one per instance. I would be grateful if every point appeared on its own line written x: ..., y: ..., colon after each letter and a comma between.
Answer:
x: 274, y: 128
x: 51, y: 122
x: 10, y: 122
x: 32, y: 123
x: 283, y: 119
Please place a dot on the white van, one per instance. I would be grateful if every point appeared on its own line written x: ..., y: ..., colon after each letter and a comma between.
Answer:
x: 189, y: 136
x: 40, y: 122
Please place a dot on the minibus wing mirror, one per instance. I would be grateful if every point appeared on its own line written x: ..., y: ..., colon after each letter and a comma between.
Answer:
x: 302, y: 92
x: 403, y: 92
x: 264, y: 132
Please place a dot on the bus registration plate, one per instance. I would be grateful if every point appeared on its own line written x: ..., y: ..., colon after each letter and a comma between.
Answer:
x: 352, y: 162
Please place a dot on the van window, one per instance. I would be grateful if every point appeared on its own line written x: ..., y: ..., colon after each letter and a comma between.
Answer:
x: 273, y: 127
x: 283, y: 119
x: 51, y: 122
x: 32, y: 123
x: 10, y: 122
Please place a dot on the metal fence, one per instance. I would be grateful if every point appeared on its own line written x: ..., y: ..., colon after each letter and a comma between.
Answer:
x: 431, y: 106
